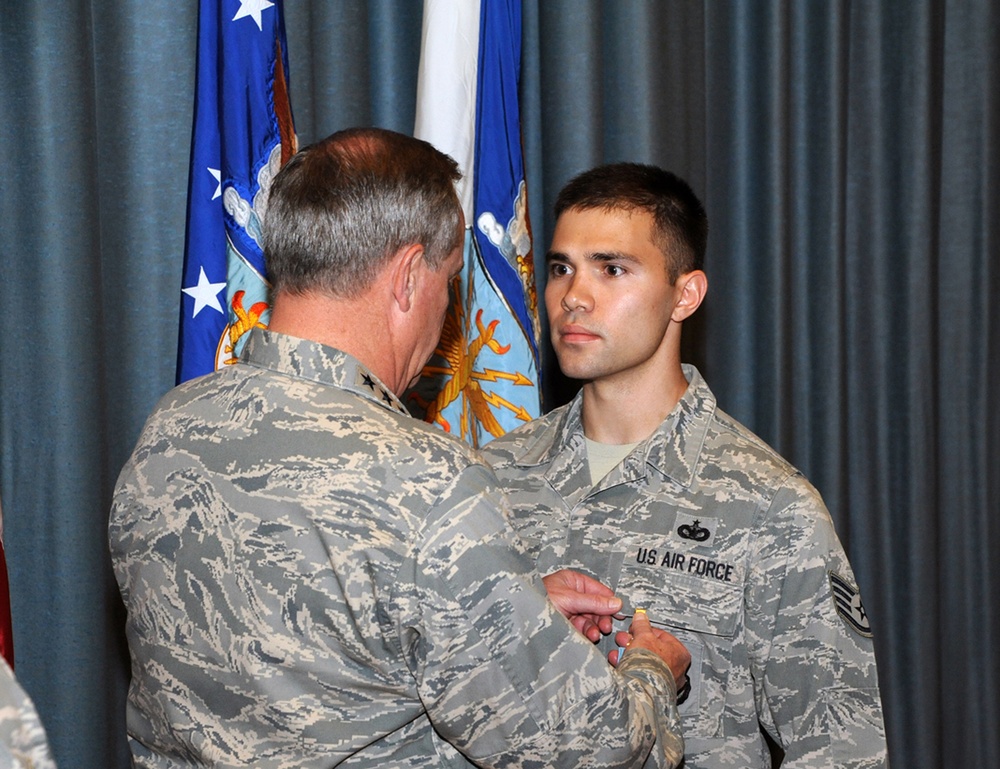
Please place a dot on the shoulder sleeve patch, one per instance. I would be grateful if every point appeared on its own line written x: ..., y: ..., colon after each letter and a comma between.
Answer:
x: 847, y: 602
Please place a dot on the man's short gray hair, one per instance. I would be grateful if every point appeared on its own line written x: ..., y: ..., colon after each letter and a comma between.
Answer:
x: 341, y: 208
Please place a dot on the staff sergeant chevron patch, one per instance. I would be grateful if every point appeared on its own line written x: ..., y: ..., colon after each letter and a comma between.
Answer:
x: 847, y: 601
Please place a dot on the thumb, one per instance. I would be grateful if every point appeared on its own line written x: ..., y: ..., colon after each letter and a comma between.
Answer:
x: 640, y: 623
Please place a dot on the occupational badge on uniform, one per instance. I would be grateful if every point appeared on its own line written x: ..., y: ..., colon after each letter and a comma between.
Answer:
x: 847, y: 602
x: 696, y: 529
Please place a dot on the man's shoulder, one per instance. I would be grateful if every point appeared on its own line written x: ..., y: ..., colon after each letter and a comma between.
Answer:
x: 750, y: 468
x: 509, y: 448
x: 433, y: 442
x: 411, y: 447
x: 732, y: 448
x: 290, y: 413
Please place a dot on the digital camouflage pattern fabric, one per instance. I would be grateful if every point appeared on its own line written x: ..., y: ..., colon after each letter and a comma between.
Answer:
x: 23, y: 744
x: 313, y: 579
x: 733, y: 551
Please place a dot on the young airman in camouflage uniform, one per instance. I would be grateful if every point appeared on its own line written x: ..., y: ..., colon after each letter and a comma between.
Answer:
x: 644, y: 483
x: 315, y: 579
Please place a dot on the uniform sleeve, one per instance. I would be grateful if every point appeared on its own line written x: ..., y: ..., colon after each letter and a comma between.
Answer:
x: 22, y: 737
x: 813, y: 663
x: 503, y: 676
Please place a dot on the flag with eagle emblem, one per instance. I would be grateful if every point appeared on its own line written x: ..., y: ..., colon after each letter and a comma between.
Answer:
x: 484, y: 377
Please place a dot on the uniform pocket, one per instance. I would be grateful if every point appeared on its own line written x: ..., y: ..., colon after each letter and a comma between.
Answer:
x: 699, y: 601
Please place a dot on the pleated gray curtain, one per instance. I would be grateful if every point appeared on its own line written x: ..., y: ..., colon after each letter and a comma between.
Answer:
x: 847, y: 154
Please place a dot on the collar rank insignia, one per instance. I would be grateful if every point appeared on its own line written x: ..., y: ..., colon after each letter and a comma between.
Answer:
x: 847, y: 602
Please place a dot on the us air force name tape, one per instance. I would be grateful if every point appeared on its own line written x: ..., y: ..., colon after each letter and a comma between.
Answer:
x: 695, y: 565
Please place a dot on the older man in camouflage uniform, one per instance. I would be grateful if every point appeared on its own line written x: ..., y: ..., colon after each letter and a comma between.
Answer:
x: 644, y: 483
x: 315, y: 579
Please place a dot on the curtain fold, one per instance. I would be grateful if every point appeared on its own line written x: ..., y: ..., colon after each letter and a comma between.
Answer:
x: 849, y: 158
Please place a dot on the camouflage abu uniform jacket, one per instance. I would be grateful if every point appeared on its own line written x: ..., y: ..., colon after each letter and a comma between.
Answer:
x: 23, y: 744
x: 731, y: 549
x: 314, y: 578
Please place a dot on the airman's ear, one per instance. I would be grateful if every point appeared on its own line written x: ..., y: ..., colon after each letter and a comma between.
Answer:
x: 691, y: 288
x: 405, y: 269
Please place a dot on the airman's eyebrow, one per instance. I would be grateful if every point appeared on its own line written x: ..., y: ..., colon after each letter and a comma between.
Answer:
x: 596, y: 256
x: 612, y: 256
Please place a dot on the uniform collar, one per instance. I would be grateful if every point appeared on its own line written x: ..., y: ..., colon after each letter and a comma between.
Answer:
x: 672, y: 450
x: 676, y: 445
x: 305, y: 359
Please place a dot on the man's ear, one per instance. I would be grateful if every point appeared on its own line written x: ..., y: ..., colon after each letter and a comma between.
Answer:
x: 406, y: 270
x: 691, y: 289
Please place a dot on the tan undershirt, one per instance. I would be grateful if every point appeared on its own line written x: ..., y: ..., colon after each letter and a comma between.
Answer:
x: 602, y: 458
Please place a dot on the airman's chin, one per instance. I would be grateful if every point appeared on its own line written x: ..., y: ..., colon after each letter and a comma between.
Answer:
x: 578, y: 373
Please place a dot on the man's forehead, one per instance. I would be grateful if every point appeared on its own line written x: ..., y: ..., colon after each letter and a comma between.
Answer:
x: 601, y: 223
x: 613, y: 211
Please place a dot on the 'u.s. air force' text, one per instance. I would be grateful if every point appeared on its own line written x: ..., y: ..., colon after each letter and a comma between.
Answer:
x: 691, y: 564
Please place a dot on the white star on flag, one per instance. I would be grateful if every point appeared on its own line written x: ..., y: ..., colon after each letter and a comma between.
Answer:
x: 205, y: 294
x: 217, y: 174
x: 252, y: 8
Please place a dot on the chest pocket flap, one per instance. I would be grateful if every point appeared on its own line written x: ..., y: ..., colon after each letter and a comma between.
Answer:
x: 682, y: 590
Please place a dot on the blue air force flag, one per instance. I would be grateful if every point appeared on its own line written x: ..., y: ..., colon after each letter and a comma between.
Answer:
x: 242, y: 135
x: 483, y: 378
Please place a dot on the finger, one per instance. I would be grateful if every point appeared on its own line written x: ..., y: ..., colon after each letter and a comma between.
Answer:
x: 640, y: 623
x: 587, y: 627
x: 587, y: 584
x: 564, y: 590
x: 588, y: 603
x: 601, y: 621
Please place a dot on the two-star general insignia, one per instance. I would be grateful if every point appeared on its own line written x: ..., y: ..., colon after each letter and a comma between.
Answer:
x: 364, y: 379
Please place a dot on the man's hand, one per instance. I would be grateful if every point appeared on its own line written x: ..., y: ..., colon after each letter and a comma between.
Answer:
x: 584, y: 601
x: 642, y: 635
